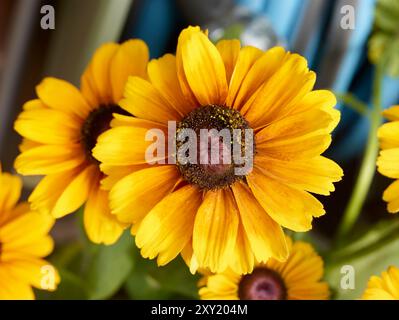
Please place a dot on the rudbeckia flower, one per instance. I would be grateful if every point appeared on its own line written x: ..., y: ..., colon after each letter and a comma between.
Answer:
x: 61, y: 127
x: 213, y: 216
x: 298, y: 278
x: 388, y: 161
x: 385, y: 287
x: 24, y: 242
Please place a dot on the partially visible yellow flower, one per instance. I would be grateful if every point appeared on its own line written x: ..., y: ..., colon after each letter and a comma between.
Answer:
x: 385, y: 287
x: 388, y: 161
x: 206, y: 212
x: 298, y: 278
x: 61, y: 127
x: 24, y: 242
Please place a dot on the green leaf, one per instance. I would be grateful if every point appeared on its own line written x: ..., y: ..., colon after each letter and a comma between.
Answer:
x: 107, y: 267
x: 370, y: 254
x: 148, y: 281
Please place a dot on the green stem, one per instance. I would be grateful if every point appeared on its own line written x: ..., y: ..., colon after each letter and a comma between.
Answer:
x: 354, y: 103
x: 367, y: 168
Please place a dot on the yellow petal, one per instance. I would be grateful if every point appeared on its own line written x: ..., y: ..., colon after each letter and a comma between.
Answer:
x: 130, y: 59
x: 295, y: 214
x: 26, y: 228
x: 100, y: 225
x: 265, y: 236
x: 76, y: 193
x: 215, y: 230
x: 314, y: 175
x: 96, y: 80
x: 388, y: 134
x: 14, y: 288
x: 242, y: 261
x: 163, y: 75
x: 49, y: 159
x: 295, y: 148
x: 50, y: 188
x: 135, y: 195
x: 49, y: 126
x: 388, y: 163
x: 204, y: 68
x: 122, y: 146
x: 184, y: 85
x: 63, y: 96
x: 288, y: 85
x: 391, y: 195
x: 229, y: 51
x: 143, y: 100
x: 253, y: 69
x: 10, y: 191
x: 160, y: 234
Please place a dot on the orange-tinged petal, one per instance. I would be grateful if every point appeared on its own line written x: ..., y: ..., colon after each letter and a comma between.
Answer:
x: 96, y: 80
x: 122, y: 146
x: 101, y: 226
x: 10, y: 191
x: 295, y: 214
x: 314, y: 175
x: 130, y: 59
x: 215, y: 230
x: 49, y: 126
x: 159, y: 234
x: 264, y: 235
x: 204, y: 69
x: 136, y: 194
x: 49, y: 159
x: 229, y: 51
x: 163, y: 75
x: 63, y: 96
x: 252, y: 70
x: 143, y: 100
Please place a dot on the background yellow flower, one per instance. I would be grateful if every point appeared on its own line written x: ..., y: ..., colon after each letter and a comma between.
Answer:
x: 298, y: 278
x: 60, y: 128
x: 24, y: 242
x: 385, y: 287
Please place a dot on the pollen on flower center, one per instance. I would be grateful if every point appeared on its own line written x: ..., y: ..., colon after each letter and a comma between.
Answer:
x: 262, y: 284
x: 96, y: 123
x: 225, y: 133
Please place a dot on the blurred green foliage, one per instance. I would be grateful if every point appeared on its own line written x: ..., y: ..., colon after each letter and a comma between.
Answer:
x: 386, y: 35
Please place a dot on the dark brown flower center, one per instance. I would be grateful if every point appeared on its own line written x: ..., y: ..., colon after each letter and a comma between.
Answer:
x: 262, y: 284
x: 220, y: 132
x: 96, y: 123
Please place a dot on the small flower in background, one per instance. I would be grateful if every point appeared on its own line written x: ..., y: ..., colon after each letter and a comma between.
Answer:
x: 214, y: 218
x: 24, y: 242
x: 388, y: 161
x: 385, y: 287
x: 298, y: 278
x: 61, y: 127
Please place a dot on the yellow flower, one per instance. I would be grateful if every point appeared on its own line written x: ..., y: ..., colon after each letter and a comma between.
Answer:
x: 385, y: 287
x: 298, y: 278
x: 24, y: 242
x: 60, y: 129
x: 388, y: 161
x: 215, y: 218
